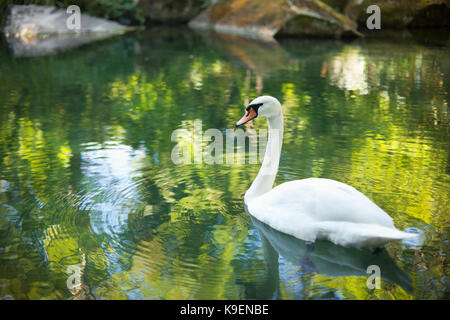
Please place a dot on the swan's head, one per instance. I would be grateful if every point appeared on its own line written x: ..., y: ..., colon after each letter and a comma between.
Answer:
x: 264, y: 106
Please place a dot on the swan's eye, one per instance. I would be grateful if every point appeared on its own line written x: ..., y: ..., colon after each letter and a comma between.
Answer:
x: 255, y: 106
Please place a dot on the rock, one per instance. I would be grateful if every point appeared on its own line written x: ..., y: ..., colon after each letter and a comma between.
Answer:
x: 39, y: 30
x: 402, y: 13
x: 319, y: 19
x: 332, y: 18
x: 265, y: 18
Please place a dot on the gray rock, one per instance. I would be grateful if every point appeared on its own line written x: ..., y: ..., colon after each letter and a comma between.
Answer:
x: 40, y: 30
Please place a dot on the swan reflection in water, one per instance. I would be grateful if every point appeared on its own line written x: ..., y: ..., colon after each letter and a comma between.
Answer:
x: 325, y: 258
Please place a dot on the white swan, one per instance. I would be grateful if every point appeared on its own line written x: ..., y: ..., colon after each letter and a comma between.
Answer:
x: 312, y: 208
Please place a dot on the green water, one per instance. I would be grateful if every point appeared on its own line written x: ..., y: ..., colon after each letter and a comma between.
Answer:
x: 87, y: 180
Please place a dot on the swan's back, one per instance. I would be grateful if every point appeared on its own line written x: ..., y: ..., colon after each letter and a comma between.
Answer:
x: 325, y: 200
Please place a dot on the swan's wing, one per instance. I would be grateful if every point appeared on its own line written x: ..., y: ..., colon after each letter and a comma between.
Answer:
x: 324, y: 200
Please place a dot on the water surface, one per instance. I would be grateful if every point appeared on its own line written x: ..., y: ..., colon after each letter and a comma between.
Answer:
x: 87, y: 180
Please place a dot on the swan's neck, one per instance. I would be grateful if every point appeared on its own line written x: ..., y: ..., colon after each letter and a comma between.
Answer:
x: 268, y: 171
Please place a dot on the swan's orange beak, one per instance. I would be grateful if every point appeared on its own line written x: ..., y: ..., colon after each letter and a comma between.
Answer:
x: 249, y: 115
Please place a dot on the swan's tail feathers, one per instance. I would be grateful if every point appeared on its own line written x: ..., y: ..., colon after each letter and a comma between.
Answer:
x: 379, y: 235
x: 367, y: 235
